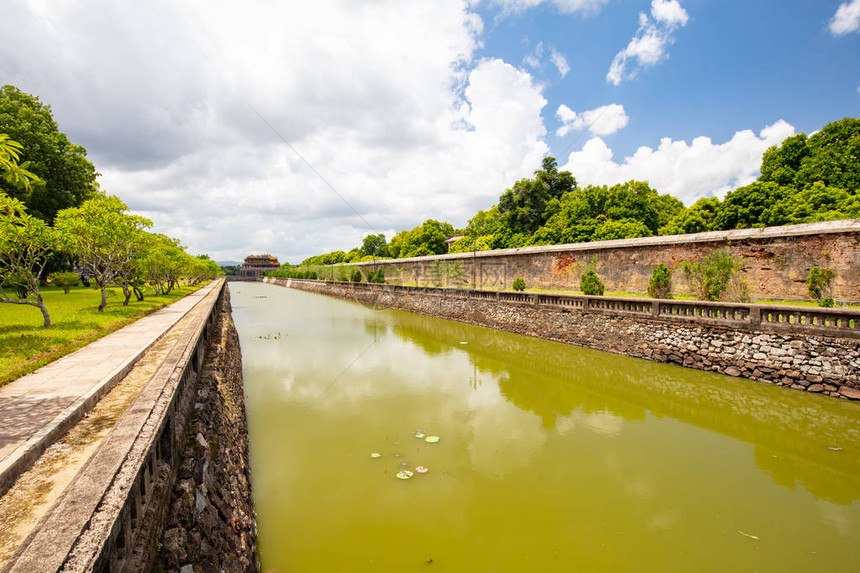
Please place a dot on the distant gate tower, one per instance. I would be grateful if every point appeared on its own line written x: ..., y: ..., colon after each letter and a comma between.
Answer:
x: 255, y: 265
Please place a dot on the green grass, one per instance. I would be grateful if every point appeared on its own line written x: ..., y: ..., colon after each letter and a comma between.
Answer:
x: 26, y: 345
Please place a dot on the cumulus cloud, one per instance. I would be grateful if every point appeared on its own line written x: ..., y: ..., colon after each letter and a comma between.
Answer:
x: 559, y: 61
x: 846, y: 19
x: 605, y: 120
x: 165, y: 97
x: 648, y: 45
x: 687, y: 171
x: 564, y: 6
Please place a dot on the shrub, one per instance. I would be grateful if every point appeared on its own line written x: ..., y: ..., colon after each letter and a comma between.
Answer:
x: 312, y: 275
x: 658, y: 286
x: 712, y: 276
x: 818, y: 283
x: 590, y: 284
x: 65, y: 280
x: 827, y: 302
x: 377, y: 276
x: 356, y: 276
x: 519, y: 284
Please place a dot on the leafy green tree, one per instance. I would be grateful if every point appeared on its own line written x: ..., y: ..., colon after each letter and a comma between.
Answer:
x: 65, y: 280
x: 620, y: 229
x: 25, y: 246
x: 374, y: 246
x: 751, y: 206
x: 780, y: 164
x: 524, y: 206
x: 163, y: 263
x: 426, y: 239
x: 14, y: 173
x: 66, y: 177
x: 104, y: 237
x: 699, y: 218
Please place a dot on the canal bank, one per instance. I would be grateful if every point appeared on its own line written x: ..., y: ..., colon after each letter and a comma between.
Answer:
x: 111, y: 494
x: 814, y: 350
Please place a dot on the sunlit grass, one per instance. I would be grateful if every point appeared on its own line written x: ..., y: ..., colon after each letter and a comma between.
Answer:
x: 26, y: 345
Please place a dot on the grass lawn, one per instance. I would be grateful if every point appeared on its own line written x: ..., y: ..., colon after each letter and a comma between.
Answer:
x: 26, y: 345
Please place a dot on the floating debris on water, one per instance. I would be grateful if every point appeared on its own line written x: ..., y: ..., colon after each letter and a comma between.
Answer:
x: 748, y: 535
x: 834, y: 448
x: 404, y: 474
x: 421, y: 469
x: 431, y: 439
x: 419, y: 434
x: 463, y: 342
x: 375, y: 455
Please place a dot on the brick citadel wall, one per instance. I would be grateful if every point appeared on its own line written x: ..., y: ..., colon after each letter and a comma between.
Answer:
x: 777, y: 261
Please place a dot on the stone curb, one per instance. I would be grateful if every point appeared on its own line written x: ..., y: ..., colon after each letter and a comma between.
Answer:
x: 23, y: 457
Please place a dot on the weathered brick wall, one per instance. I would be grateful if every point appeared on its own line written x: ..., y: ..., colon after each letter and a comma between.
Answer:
x: 777, y: 261
x: 819, y: 364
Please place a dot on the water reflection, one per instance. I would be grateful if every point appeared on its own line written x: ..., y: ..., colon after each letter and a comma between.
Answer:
x: 790, y: 430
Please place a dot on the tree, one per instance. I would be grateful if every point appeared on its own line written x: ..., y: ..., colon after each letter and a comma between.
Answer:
x: 14, y: 173
x: 426, y: 239
x: 66, y: 177
x: 700, y: 217
x: 104, y: 237
x: 25, y: 246
x: 524, y: 206
x: 374, y: 246
x: 163, y: 263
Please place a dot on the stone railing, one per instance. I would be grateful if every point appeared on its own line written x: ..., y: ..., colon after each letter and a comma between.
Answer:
x: 109, y: 517
x: 837, y: 322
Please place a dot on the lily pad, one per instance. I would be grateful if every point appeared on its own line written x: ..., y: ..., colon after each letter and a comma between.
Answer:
x: 421, y: 469
x: 404, y: 474
x: 375, y: 455
x: 431, y: 439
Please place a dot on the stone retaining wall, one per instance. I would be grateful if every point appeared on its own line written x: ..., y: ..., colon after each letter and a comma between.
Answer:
x: 112, y: 515
x: 211, y: 524
x: 812, y: 362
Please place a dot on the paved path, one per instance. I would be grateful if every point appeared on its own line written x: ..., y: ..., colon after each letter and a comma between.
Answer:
x: 38, y: 408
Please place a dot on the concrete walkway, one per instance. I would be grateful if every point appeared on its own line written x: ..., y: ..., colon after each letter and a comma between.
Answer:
x: 38, y: 408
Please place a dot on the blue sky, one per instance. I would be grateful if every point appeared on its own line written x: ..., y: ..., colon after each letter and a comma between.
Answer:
x: 207, y: 116
x: 735, y: 65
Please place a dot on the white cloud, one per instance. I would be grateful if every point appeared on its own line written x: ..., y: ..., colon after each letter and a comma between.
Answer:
x: 686, y: 171
x: 846, y: 19
x: 670, y: 12
x: 604, y: 120
x: 648, y: 45
x: 168, y: 114
x: 534, y: 58
x: 559, y: 61
x: 564, y: 6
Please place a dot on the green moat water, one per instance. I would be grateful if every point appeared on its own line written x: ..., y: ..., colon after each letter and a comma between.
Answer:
x: 551, y: 457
